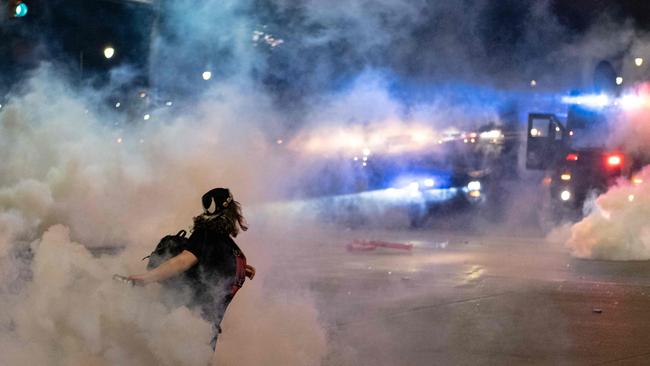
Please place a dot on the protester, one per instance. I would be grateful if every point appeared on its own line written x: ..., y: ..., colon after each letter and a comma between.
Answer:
x: 211, y: 263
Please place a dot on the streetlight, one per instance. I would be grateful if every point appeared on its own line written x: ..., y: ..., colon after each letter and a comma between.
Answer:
x: 638, y: 61
x: 109, y: 52
x: 619, y: 80
x: 207, y: 75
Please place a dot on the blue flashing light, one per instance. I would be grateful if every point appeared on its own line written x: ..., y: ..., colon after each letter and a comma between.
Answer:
x: 21, y: 10
x: 589, y: 100
x: 421, y: 181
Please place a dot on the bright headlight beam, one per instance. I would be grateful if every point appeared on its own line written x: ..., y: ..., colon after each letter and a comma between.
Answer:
x: 565, y: 195
x: 474, y: 185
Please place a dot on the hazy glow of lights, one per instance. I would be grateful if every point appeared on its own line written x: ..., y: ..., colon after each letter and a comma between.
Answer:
x: 429, y: 183
x: 637, y: 180
x: 279, y: 141
x: 142, y: 141
x: 118, y: 104
x: 619, y: 80
x: 571, y: 133
x: 119, y: 140
x: 557, y: 129
x: 475, y: 194
x: 356, y: 158
x: 0, y: 106
x: 109, y: 52
x: 390, y: 137
x: 565, y: 177
x: 143, y: 95
x: 631, y: 101
x: 365, y: 164
x: 474, y: 185
x: 533, y: 83
x: 365, y: 158
x: 414, y: 186
x: 565, y: 195
x: 630, y: 198
x: 147, y: 117
x: 169, y: 103
x: 534, y: 132
x: 473, y: 140
x: 207, y: 75
x: 491, y: 135
x: 638, y: 61
x: 420, y: 137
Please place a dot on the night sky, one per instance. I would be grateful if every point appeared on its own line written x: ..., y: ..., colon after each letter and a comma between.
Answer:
x: 497, y: 43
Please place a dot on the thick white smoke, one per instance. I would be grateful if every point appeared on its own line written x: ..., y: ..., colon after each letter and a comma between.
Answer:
x: 616, y: 226
x: 616, y: 229
x: 71, y: 181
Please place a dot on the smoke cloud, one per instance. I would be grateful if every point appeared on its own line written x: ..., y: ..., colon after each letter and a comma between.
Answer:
x: 75, y: 180
x: 615, y: 228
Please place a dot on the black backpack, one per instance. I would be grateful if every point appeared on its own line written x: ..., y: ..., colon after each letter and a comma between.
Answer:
x: 168, y: 247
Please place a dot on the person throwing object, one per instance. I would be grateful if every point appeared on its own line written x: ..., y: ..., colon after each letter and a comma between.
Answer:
x: 213, y: 265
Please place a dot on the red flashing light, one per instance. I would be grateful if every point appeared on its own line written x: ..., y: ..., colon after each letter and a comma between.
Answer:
x: 572, y: 157
x: 615, y: 160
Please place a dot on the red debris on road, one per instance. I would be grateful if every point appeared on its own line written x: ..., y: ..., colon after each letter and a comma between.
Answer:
x: 368, y: 245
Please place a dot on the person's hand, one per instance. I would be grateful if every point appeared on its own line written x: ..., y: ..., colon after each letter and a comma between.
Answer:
x: 138, y: 280
x: 123, y: 279
x: 250, y: 271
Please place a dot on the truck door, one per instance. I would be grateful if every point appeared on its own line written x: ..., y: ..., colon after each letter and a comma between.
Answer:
x: 545, y: 141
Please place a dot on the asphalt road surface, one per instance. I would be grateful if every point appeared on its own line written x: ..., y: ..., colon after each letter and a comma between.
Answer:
x: 477, y: 300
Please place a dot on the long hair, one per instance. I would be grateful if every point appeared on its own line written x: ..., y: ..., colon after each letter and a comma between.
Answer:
x: 227, y: 221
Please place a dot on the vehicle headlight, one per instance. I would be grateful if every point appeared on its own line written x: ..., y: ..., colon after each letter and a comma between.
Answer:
x: 474, y: 185
x: 565, y: 195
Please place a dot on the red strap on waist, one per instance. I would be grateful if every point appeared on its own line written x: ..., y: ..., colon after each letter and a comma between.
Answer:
x: 240, y: 272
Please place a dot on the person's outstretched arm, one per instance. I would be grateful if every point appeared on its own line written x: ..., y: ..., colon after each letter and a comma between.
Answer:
x: 167, y: 269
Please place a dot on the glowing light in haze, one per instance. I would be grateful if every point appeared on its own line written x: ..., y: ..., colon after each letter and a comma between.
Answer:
x: 638, y: 61
x: 207, y: 75
x: 619, y: 80
x: 109, y: 52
